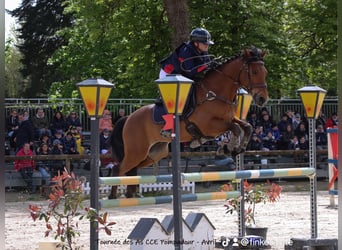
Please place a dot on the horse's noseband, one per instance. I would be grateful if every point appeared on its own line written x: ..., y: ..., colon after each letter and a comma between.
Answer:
x: 210, y: 95
x: 250, y: 85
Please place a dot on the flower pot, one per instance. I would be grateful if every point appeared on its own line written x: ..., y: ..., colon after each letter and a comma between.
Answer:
x: 257, y: 231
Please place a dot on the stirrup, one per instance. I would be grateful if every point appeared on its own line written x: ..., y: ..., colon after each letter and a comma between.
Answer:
x: 166, y: 133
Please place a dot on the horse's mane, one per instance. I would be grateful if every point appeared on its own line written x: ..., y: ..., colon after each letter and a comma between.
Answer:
x: 255, y: 54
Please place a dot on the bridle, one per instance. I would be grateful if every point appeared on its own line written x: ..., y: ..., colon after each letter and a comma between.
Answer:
x: 246, y: 68
x: 211, y: 95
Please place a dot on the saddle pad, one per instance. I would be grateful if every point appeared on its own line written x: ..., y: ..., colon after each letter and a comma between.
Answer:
x: 157, y: 114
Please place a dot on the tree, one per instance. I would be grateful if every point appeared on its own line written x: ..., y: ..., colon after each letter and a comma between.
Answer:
x: 124, y: 41
x: 312, y: 31
x: 12, y: 70
x: 176, y: 11
x: 39, y: 22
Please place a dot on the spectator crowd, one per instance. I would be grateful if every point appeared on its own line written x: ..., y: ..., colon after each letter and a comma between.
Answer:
x: 39, y: 135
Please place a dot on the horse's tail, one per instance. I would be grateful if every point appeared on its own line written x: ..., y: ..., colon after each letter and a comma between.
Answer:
x: 117, y: 141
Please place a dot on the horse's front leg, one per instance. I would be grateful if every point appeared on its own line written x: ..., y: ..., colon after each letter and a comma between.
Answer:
x: 247, y: 132
x: 241, y: 134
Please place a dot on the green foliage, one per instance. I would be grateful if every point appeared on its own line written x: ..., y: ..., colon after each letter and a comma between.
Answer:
x: 13, y: 77
x: 253, y: 195
x: 312, y: 31
x: 123, y: 42
x: 66, y: 208
x: 38, y: 23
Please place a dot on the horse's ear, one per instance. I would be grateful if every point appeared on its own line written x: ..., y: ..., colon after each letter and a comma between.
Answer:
x: 263, y: 53
x: 246, y: 52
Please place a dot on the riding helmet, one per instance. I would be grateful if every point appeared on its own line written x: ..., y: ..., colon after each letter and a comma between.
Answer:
x: 200, y: 35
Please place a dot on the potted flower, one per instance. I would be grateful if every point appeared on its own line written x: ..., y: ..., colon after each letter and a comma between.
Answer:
x: 65, y: 209
x: 253, y: 194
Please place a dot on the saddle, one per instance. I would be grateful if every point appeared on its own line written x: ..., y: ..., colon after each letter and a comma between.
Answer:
x: 159, y: 110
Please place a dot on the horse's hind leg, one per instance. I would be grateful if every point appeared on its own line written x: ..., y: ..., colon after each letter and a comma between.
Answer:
x: 114, y: 189
x: 131, y: 189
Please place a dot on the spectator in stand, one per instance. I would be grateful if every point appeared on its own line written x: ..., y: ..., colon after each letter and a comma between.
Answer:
x: 282, y: 124
x: 41, y: 123
x: 301, y: 131
x: 105, y: 139
x: 291, y: 116
x: 105, y: 122
x: 58, y: 135
x: 57, y: 166
x: 264, y: 111
x: 332, y: 121
x: 27, y: 115
x: 105, y: 149
x: 78, y: 138
x: 253, y: 119
x: 259, y: 130
x: 26, y: 167
x: 296, y: 121
x: 286, y: 137
x: 58, y: 123
x: 321, y: 120
x: 266, y: 122
x: 43, y: 149
x: 321, y: 138
x: 255, y: 143
x: 74, y: 121
x: 294, y: 144
x: 303, y: 145
x: 45, y: 138
x: 269, y: 142
x: 44, y: 166
x: 117, y: 117
x: 12, y: 125
x: 69, y: 144
x: 25, y: 132
x: 275, y: 132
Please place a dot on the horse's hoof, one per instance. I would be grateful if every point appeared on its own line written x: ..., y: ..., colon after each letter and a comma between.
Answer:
x: 129, y: 195
x: 195, y: 144
x: 111, y: 197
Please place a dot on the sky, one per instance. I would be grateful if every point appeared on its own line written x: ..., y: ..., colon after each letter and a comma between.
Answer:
x: 9, y: 21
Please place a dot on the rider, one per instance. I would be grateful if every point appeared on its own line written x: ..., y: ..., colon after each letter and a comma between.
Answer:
x: 190, y: 59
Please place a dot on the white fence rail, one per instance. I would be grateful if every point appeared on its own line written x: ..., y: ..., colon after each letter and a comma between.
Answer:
x: 143, y: 188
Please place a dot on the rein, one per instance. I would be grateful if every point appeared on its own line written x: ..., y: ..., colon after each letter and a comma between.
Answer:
x: 211, y: 95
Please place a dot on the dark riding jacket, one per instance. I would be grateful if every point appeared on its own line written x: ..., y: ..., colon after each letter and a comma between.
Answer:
x: 186, y: 60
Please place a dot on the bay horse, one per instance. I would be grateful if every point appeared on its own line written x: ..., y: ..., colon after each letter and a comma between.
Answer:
x: 137, y: 141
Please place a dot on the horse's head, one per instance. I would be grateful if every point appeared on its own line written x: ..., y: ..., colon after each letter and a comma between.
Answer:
x: 253, y: 75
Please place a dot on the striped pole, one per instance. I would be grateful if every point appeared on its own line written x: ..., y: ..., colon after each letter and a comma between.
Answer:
x: 126, y: 202
x: 209, y: 176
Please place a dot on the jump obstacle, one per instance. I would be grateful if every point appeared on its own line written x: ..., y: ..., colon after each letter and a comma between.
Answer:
x: 194, y: 177
x: 332, y: 161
